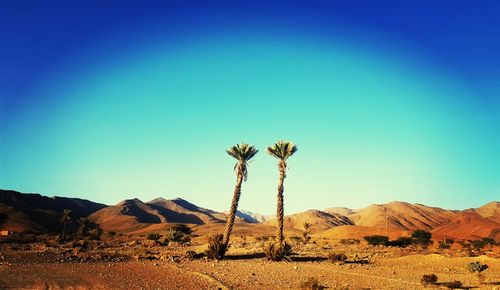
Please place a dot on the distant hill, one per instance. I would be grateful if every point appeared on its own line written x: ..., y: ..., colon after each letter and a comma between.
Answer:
x: 469, y: 225
x: 319, y: 220
x: 402, y: 216
x: 31, y: 211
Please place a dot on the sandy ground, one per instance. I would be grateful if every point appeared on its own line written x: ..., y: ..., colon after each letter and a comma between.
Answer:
x: 238, y: 273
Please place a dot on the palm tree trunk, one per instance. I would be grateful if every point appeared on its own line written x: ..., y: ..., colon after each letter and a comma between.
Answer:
x: 280, y: 206
x: 234, y: 207
x: 63, y: 237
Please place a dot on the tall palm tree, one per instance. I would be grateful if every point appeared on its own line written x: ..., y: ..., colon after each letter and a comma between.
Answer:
x: 65, y: 219
x: 242, y: 153
x: 281, y: 150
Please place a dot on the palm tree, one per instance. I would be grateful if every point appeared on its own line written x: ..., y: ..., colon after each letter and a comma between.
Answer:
x: 281, y: 150
x: 82, y: 230
x: 65, y: 219
x: 242, y: 153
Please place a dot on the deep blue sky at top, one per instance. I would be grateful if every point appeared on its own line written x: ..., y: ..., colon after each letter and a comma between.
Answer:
x: 52, y: 52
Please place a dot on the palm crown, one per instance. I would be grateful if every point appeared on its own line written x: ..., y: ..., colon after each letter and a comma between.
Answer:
x: 243, y: 153
x: 282, y: 150
x: 66, y: 216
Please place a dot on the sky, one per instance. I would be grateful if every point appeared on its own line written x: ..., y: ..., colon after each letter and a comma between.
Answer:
x: 386, y: 100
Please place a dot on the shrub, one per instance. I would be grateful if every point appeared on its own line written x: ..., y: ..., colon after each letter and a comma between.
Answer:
x: 182, y: 228
x: 376, y: 240
x: 476, y: 267
x: 174, y: 235
x: 401, y: 242
x: 444, y: 245
x: 311, y: 284
x: 337, y: 257
x: 422, y: 237
x: 216, y: 248
x: 112, y: 233
x: 154, y: 236
x: 429, y: 279
x: 277, y: 252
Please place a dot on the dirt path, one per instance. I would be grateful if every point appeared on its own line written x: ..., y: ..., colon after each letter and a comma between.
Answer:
x: 129, y: 275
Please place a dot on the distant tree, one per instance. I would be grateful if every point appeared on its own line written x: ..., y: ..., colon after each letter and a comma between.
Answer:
x: 377, y: 240
x: 65, y: 219
x: 422, y: 237
x: 281, y: 150
x: 83, y: 226
x: 305, y: 234
x: 243, y: 153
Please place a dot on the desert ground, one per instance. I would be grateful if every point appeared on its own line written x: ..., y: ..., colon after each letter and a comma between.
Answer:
x: 136, y: 262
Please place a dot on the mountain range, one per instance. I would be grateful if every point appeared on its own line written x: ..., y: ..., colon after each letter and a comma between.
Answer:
x: 28, y: 211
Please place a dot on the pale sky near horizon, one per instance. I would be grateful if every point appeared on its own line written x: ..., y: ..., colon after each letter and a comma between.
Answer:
x: 385, y: 101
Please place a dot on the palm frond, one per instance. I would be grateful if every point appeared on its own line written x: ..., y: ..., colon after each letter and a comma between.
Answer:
x: 282, y: 150
x: 242, y: 152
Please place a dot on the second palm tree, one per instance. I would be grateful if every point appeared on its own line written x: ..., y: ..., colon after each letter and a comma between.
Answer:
x: 281, y: 150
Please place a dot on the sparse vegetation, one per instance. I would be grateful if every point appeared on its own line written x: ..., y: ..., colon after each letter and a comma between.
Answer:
x: 377, y: 240
x: 83, y: 227
x: 477, y: 268
x: 349, y: 241
x: 445, y: 244
x: 429, y: 279
x: 216, y: 247
x: 278, y: 252
x: 311, y: 284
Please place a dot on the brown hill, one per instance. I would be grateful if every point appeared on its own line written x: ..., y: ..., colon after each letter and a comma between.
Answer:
x: 30, y: 211
x: 402, y: 216
x: 468, y: 225
x: 181, y: 211
x: 319, y: 220
x: 128, y: 215
x: 490, y: 210
x: 340, y: 210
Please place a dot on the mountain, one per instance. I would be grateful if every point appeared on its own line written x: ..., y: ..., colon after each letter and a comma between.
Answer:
x: 319, y: 220
x: 340, y: 210
x: 133, y: 215
x: 252, y: 217
x: 469, y: 225
x: 402, y: 216
x: 31, y: 211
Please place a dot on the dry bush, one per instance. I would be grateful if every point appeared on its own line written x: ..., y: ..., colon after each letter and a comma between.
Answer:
x: 277, y: 252
x: 429, y: 279
x: 216, y: 248
x: 311, y: 284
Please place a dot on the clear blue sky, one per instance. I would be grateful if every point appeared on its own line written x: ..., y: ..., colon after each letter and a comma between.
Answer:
x: 386, y: 100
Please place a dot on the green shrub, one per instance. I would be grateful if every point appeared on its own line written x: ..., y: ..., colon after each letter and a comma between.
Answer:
x: 174, y: 235
x: 154, y: 236
x: 216, y: 248
x: 444, y: 245
x: 277, y: 252
x: 112, y: 233
x: 376, y: 240
x: 429, y: 279
x: 476, y: 267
